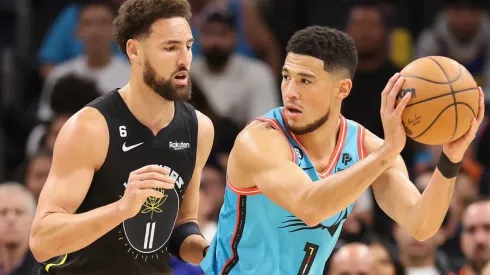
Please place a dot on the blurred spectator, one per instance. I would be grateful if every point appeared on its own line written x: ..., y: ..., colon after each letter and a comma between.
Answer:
x: 225, y: 130
x: 212, y: 190
x: 98, y: 61
x: 354, y: 228
x: 17, y: 208
x: 462, y: 32
x: 483, y: 156
x: 475, y: 239
x: 253, y: 37
x: 421, y: 257
x: 37, y: 172
x: 53, y: 130
x: 384, y: 262
x: 236, y: 87
x: 70, y: 94
x: 352, y: 259
x: 367, y: 26
x: 465, y: 192
x: 62, y: 42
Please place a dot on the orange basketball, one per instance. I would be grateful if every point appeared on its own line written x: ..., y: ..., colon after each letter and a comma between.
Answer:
x: 444, y: 100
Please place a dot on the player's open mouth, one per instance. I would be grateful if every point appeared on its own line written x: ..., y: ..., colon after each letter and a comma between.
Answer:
x: 293, y: 110
x: 181, y: 78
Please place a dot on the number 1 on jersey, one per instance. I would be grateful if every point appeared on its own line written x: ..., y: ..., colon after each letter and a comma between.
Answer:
x: 150, y: 232
x: 310, y: 254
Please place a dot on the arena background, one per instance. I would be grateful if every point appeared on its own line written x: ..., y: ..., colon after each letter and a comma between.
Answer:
x: 52, y: 63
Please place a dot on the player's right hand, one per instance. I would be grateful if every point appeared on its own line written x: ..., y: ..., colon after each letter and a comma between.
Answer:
x: 141, y: 185
x: 395, y: 136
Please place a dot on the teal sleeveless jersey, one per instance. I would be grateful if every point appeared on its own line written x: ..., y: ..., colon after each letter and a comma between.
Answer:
x: 257, y: 237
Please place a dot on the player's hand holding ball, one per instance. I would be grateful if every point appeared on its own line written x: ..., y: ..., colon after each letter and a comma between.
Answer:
x: 446, y: 106
x: 141, y: 185
x: 394, y: 133
x: 455, y: 150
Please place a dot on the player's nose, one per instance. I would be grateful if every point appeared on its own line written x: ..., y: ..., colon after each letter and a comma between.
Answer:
x: 289, y: 92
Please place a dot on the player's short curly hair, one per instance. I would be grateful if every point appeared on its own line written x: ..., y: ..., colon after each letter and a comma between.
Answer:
x: 334, y: 47
x: 135, y: 17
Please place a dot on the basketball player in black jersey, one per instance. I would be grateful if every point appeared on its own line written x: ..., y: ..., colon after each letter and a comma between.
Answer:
x: 122, y: 193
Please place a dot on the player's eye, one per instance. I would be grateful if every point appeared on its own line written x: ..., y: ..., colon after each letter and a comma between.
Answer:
x: 170, y: 49
x: 189, y: 47
x: 285, y: 77
x: 305, y: 81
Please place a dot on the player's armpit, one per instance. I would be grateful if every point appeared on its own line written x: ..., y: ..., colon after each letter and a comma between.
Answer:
x: 191, y: 249
x: 80, y: 149
x: 261, y: 157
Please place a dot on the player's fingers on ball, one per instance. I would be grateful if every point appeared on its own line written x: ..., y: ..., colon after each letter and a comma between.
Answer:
x: 386, y: 91
x: 403, y: 103
x: 390, y: 103
x: 481, y: 107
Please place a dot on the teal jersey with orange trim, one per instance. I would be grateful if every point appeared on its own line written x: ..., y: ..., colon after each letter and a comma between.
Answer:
x: 256, y: 236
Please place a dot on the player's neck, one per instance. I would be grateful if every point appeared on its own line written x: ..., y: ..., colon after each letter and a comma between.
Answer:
x: 148, y: 107
x: 321, y: 143
x: 10, y: 257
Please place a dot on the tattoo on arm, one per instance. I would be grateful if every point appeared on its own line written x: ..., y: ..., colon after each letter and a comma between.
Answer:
x: 384, y: 163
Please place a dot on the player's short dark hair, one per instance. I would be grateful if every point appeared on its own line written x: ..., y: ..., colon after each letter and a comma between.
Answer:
x: 334, y: 47
x: 135, y: 17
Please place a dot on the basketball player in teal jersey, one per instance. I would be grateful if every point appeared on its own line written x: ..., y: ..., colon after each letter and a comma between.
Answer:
x: 294, y: 174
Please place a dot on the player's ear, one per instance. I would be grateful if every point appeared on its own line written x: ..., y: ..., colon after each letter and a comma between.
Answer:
x: 133, y: 51
x: 344, y: 88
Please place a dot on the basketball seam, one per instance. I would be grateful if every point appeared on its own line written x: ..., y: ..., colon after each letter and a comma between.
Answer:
x: 433, y: 81
x: 438, y: 115
x: 439, y: 96
x: 452, y: 93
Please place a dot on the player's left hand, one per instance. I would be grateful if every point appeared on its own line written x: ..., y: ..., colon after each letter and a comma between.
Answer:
x: 455, y: 150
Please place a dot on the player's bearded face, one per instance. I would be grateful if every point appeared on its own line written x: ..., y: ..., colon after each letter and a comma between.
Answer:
x: 310, y: 127
x: 166, y: 88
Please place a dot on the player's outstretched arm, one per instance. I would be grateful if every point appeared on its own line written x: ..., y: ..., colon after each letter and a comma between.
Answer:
x: 261, y: 157
x: 421, y: 215
x: 80, y: 149
x: 187, y: 242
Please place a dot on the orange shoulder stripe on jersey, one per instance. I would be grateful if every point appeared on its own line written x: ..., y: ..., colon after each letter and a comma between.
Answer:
x: 334, y: 158
x: 361, y: 149
x: 242, y: 191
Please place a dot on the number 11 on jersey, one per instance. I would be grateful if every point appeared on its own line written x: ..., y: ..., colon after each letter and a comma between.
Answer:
x: 150, y: 232
x: 310, y: 254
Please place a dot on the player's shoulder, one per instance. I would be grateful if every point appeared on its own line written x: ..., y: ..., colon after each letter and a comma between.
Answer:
x: 87, y: 121
x: 205, y: 131
x: 84, y: 136
x: 260, y: 138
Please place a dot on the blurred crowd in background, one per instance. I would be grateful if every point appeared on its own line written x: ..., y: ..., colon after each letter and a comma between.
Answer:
x: 58, y: 55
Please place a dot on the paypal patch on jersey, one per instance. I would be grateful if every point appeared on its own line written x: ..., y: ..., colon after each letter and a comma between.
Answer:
x: 256, y: 236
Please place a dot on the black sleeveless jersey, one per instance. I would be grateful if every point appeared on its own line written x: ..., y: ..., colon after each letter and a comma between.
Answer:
x: 138, y: 245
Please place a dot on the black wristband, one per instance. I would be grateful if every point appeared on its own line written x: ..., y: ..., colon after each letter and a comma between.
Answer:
x: 179, y: 234
x: 205, y: 251
x: 447, y: 168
